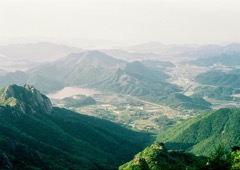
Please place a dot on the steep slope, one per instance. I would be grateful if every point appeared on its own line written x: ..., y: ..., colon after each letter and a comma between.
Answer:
x: 202, y: 134
x: 36, y: 135
x: 25, y: 99
x: 141, y: 84
x: 79, y: 68
x: 157, y: 156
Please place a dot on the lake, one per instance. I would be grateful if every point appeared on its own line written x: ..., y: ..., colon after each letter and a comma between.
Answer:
x: 71, y: 91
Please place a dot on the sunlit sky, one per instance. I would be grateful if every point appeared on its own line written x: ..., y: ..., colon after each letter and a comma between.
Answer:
x: 117, y: 22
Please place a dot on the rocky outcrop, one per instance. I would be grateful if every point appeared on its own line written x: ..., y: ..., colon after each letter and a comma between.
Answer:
x: 26, y: 99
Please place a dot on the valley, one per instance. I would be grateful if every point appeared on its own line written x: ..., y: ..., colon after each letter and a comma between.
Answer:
x: 119, y: 85
x: 133, y: 112
x: 130, y: 112
x: 157, y: 98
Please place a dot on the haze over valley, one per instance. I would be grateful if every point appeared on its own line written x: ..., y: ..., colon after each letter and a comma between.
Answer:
x: 128, y: 85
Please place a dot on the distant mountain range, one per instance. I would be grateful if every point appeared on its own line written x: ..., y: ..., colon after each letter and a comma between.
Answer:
x: 36, y: 135
x: 2, y: 72
x: 157, y: 64
x: 161, y: 49
x: 42, y: 51
x: 131, y: 56
x: 226, y: 59
x: 95, y: 69
x: 26, y: 56
x: 42, y: 83
x: 185, y: 50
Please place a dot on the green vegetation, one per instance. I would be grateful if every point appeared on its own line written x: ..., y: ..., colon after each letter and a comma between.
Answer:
x: 218, y: 93
x: 138, y: 70
x: 178, y: 100
x: 134, y: 80
x: 32, y: 138
x: 94, y: 69
x: 235, y: 155
x: 208, y: 130
x: 158, y: 157
x: 79, y: 101
x: 219, y: 78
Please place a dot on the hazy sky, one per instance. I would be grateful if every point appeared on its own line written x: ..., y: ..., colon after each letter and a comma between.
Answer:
x: 104, y: 22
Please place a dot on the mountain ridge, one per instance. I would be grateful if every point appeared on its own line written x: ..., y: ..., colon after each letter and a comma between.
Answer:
x: 60, y: 139
x: 210, y: 129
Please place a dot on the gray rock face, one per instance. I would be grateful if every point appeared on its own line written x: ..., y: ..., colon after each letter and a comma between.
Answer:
x: 26, y: 99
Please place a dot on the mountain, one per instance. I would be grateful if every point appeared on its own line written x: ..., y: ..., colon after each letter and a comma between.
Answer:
x: 137, y: 69
x: 91, y: 58
x: 19, y: 97
x: 161, y: 49
x: 226, y: 59
x: 185, y: 50
x: 94, y: 69
x: 178, y: 100
x: 78, y: 68
x: 202, y: 134
x: 13, y: 64
x: 42, y: 51
x: 157, y: 156
x: 218, y: 93
x: 211, y: 50
x: 135, y: 79
x: 79, y: 100
x: 27, y: 56
x: 157, y: 64
x: 17, y: 77
x: 2, y: 72
x: 135, y: 85
x: 220, y: 78
x: 20, y: 78
x: 35, y: 135
x: 130, y: 56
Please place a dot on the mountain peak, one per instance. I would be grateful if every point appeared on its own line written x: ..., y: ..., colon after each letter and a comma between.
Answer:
x: 92, y: 58
x: 25, y: 99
